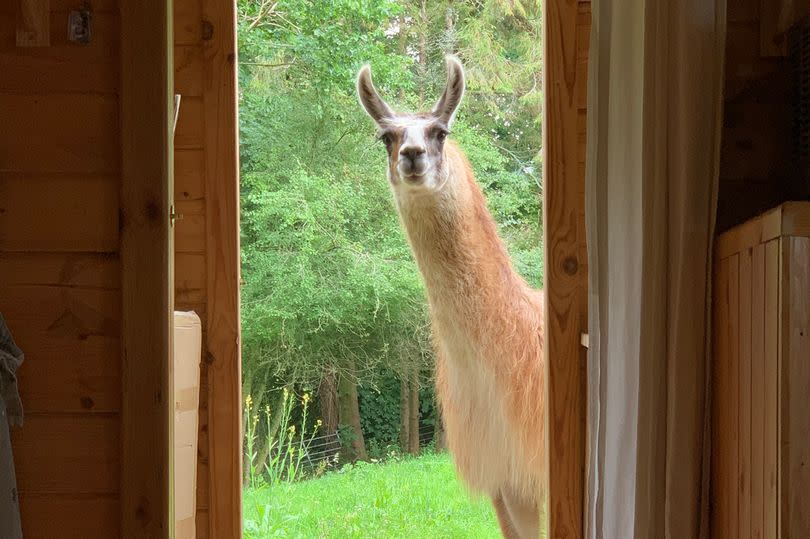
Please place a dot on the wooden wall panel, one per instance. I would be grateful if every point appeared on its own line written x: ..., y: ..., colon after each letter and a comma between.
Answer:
x: 36, y: 209
x: 44, y: 69
x: 744, y: 393
x: 794, y: 450
x: 60, y: 133
x: 51, y: 515
x: 760, y: 485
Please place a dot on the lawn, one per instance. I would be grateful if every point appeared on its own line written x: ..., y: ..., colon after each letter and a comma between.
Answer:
x: 409, y: 498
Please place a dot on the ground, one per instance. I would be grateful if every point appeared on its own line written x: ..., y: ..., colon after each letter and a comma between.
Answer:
x: 409, y: 498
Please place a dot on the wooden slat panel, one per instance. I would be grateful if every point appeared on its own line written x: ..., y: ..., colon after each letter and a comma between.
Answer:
x: 64, y: 269
x: 744, y: 394
x: 188, y: 70
x: 67, y: 325
x: 757, y: 391
x: 190, y: 124
x: 732, y: 399
x: 566, y: 274
x: 770, y: 382
x: 188, y: 23
x: 190, y: 231
x: 58, y: 214
x: 76, y: 133
x: 45, y: 516
x: 795, y: 388
x: 189, y: 277
x: 222, y: 241
x: 189, y: 179
x: 55, y: 68
x: 67, y: 454
x: 720, y: 384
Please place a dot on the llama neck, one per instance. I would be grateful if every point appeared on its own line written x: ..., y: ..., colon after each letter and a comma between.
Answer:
x: 463, y: 262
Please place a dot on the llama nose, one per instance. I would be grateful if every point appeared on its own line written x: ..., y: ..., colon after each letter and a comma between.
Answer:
x: 412, y: 152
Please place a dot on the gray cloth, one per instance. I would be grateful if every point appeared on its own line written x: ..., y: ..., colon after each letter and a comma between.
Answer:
x: 11, y: 357
x: 10, y: 413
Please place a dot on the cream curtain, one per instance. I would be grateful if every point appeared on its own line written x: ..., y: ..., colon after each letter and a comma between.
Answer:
x: 654, y: 119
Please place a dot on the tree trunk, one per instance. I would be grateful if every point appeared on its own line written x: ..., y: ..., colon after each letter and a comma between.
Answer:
x: 328, y: 399
x: 413, y: 448
x: 404, y: 414
x: 349, y: 413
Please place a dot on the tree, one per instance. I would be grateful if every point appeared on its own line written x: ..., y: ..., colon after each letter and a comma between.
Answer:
x: 332, y: 298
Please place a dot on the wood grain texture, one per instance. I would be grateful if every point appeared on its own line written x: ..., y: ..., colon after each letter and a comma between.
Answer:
x: 56, y: 133
x: 770, y: 388
x: 68, y: 454
x: 757, y: 391
x: 223, y: 269
x: 794, y: 376
x: 720, y: 514
x: 566, y: 275
x: 146, y: 253
x: 91, y: 515
x: 731, y: 426
x: 41, y: 70
x: 33, y: 23
x: 58, y: 214
x: 744, y: 393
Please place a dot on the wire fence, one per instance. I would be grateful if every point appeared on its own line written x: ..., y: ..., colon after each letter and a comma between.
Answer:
x: 323, y: 452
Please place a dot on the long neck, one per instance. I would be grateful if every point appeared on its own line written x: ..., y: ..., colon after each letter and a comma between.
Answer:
x: 455, y: 242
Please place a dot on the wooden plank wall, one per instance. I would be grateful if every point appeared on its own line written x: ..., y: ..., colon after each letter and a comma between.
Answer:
x: 207, y: 245
x: 60, y: 278
x: 761, y: 382
x: 756, y: 138
x: 567, y: 41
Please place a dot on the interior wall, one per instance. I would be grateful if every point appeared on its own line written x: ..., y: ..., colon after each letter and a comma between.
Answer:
x: 59, y: 269
x: 756, y: 140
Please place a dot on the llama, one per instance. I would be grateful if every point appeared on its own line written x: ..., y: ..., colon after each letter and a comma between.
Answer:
x: 487, y: 322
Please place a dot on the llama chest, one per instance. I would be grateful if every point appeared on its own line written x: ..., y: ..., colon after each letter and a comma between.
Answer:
x: 484, y: 449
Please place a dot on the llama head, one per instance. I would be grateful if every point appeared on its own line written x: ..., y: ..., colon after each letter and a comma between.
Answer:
x: 415, y: 142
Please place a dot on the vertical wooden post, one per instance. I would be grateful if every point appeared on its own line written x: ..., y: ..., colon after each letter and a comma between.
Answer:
x: 565, y: 272
x: 222, y: 247
x: 146, y: 259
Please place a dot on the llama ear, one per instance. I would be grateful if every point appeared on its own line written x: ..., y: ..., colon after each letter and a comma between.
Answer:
x: 445, y: 109
x: 370, y: 99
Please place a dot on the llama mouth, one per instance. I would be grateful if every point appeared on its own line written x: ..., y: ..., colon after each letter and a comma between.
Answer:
x: 413, y: 178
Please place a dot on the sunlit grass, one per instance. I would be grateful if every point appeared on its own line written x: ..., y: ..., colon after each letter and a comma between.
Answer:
x: 410, y: 498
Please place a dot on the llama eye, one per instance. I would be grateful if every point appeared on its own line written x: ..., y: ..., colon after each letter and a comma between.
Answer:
x: 386, y: 139
x: 441, y: 135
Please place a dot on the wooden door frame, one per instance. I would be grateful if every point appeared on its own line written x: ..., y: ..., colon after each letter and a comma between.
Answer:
x: 221, y: 143
x: 566, y: 276
x: 147, y: 279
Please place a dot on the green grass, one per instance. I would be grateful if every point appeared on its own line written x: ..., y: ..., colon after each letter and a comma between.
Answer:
x: 411, y: 498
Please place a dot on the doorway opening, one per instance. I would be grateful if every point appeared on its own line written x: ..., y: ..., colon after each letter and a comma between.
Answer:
x: 342, y: 436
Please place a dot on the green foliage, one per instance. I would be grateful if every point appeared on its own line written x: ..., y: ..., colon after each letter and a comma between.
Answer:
x: 402, y: 499
x: 328, y: 276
